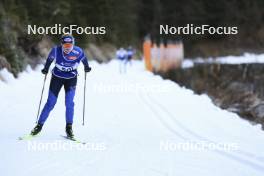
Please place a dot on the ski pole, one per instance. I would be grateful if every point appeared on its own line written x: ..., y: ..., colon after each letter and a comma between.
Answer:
x: 84, y: 90
x: 41, y: 97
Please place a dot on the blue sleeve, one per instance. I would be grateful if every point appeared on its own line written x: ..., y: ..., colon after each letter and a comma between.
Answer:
x: 51, y: 57
x: 84, y: 60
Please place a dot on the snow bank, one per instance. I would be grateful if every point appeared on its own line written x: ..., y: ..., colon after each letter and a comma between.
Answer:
x: 247, y: 58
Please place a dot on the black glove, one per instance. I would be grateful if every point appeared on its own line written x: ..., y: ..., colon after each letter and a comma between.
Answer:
x: 87, y: 69
x: 44, y: 71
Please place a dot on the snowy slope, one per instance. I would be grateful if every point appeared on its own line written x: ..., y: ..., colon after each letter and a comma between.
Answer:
x: 130, y: 119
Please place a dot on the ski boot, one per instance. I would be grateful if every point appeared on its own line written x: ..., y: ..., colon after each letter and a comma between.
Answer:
x: 69, y: 131
x: 36, y: 130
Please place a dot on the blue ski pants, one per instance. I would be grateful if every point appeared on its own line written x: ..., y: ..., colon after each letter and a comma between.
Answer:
x: 56, y: 84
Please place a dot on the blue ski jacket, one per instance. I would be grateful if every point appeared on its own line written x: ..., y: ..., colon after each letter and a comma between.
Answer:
x: 66, y: 64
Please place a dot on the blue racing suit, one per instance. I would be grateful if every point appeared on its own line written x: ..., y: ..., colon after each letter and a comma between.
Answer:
x: 63, y: 74
x: 130, y: 53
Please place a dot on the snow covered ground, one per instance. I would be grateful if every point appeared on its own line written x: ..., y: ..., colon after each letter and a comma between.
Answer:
x: 137, y: 124
x: 247, y: 58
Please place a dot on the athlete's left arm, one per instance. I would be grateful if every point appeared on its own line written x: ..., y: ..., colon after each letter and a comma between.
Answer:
x: 84, y: 60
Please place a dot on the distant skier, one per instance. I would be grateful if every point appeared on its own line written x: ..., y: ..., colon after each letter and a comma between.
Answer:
x: 130, y: 53
x: 121, y: 55
x: 67, y: 57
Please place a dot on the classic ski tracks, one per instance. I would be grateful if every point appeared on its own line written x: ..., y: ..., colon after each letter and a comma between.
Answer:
x: 160, y: 111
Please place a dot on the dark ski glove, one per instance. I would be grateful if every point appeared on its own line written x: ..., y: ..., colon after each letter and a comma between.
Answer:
x: 44, y: 71
x: 87, y: 69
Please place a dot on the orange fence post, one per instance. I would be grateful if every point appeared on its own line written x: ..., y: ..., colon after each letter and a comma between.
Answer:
x: 147, y: 54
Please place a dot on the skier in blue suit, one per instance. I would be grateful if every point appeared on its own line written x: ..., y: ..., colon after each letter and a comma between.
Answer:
x: 67, y: 57
x: 130, y: 53
x: 121, y: 55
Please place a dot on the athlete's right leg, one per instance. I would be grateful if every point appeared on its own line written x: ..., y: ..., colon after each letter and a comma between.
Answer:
x: 54, y: 89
